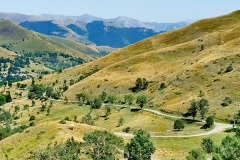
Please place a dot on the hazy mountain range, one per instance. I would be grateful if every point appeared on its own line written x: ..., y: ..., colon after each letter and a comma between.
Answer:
x: 123, y: 22
x: 87, y: 29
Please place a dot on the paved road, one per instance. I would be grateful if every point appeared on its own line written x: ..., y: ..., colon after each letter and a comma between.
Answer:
x: 218, y: 126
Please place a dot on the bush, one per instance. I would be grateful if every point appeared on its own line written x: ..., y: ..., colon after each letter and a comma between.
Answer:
x: 226, y: 102
x: 127, y: 129
x: 178, y: 124
x: 120, y: 122
x: 162, y: 86
x: 32, y: 118
x: 62, y: 122
x: 67, y: 119
x: 209, y: 121
x: 32, y: 124
x: 229, y: 68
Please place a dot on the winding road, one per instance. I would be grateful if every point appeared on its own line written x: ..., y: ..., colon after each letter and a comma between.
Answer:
x: 218, y: 126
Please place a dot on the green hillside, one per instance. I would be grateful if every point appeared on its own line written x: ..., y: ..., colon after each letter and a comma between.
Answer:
x: 191, y: 61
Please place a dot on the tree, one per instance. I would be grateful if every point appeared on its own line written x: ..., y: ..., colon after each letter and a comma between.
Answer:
x: 49, y: 91
x: 230, y: 148
x: 203, y: 107
x: 102, y: 145
x: 108, y: 111
x: 120, y: 122
x: 192, y: 111
x: 10, y: 84
x: 97, y: 103
x: 81, y: 97
x: 178, y: 124
x: 5, y: 84
x: 196, y: 154
x: 141, y: 100
x: 209, y: 121
x: 8, y: 97
x: 128, y: 99
x: 33, y: 81
x: 32, y: 118
x: 208, y: 145
x: 138, y: 84
x: 144, y: 84
x: 140, y: 147
x: 48, y: 111
x: 111, y: 99
x: 103, y: 96
x: 2, y: 99
x: 162, y: 86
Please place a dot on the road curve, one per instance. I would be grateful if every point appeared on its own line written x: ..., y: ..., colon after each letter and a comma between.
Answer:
x: 218, y: 126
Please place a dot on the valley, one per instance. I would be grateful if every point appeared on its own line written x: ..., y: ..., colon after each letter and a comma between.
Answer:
x: 172, y: 95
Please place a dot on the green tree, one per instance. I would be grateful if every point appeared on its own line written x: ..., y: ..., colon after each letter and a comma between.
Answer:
x: 111, y: 99
x: 178, y: 124
x: 48, y: 111
x: 33, y: 81
x: 8, y: 97
x: 2, y: 99
x: 10, y: 84
x: 102, y: 145
x: 209, y: 121
x: 128, y: 99
x: 196, y: 154
x: 32, y: 118
x: 192, y: 111
x: 103, y: 96
x: 208, y: 145
x: 141, y: 100
x: 138, y: 84
x: 203, y: 107
x: 140, y: 147
x: 230, y: 148
x: 107, y: 111
x: 49, y: 91
x: 97, y: 103
x: 120, y: 122
x: 82, y: 97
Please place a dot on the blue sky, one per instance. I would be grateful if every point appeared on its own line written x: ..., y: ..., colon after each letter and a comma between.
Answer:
x: 144, y: 10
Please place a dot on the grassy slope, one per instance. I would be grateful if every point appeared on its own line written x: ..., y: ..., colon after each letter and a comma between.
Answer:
x: 6, y: 54
x: 175, y: 58
x: 25, y: 40
x: 48, y: 131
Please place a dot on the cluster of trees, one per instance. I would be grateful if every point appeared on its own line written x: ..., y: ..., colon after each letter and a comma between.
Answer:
x: 13, y: 68
x: 85, y: 75
x: 229, y: 149
x: 5, y: 98
x: 54, y: 60
x: 37, y: 91
x: 140, y: 84
x: 111, y: 99
x: 198, y: 106
x: 101, y: 145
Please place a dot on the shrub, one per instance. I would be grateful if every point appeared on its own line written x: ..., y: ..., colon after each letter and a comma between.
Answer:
x: 229, y: 68
x: 209, y: 121
x: 226, y: 102
x: 120, y: 122
x: 127, y: 129
x: 32, y: 124
x: 32, y: 118
x: 62, y: 122
x: 162, y: 86
x: 178, y: 124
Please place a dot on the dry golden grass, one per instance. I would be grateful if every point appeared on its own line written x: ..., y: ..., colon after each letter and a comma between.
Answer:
x: 175, y: 58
